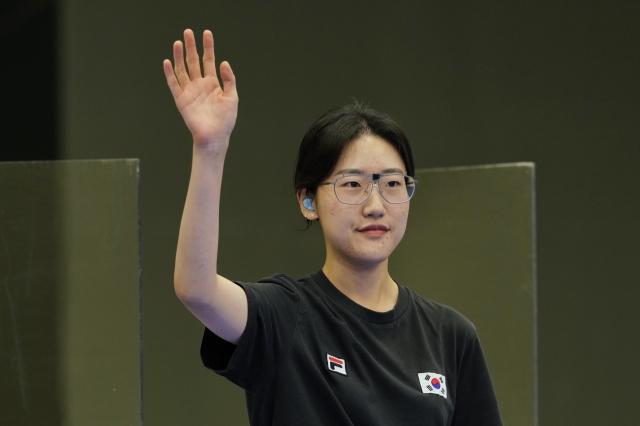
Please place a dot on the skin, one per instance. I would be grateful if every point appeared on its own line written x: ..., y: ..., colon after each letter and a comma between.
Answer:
x: 357, y: 261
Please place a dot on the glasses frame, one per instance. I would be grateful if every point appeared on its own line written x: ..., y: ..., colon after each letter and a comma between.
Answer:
x: 375, y: 180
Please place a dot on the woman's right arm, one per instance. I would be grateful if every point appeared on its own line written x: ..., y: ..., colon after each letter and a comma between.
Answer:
x: 209, y: 111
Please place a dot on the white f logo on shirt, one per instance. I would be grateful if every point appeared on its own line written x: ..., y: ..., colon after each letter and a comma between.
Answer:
x: 336, y: 365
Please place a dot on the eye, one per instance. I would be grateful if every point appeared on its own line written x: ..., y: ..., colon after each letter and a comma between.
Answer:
x: 352, y: 182
x: 394, y: 183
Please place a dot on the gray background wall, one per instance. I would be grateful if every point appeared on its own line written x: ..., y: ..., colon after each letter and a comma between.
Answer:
x: 472, y: 83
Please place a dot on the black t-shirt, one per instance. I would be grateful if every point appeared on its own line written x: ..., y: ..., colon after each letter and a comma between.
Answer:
x: 311, y: 356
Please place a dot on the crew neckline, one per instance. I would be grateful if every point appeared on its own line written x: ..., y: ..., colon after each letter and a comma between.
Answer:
x: 364, y: 313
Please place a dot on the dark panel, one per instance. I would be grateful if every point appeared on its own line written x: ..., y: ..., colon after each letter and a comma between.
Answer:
x: 69, y: 330
x: 28, y: 30
x: 470, y: 245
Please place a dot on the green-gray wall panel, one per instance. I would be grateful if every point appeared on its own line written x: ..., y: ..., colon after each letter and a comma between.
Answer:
x: 69, y: 307
x: 470, y: 245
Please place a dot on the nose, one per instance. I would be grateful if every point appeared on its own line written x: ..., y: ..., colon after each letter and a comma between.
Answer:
x: 374, y: 206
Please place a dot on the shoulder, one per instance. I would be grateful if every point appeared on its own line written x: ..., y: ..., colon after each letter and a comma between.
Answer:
x: 275, y: 288
x: 274, y: 283
x: 445, y: 320
x: 282, y: 280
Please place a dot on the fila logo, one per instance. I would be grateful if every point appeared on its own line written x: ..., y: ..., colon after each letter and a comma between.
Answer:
x: 433, y: 383
x: 336, y: 365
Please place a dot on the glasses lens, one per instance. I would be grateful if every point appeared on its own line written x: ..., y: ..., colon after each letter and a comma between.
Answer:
x: 352, y: 189
x: 396, y: 188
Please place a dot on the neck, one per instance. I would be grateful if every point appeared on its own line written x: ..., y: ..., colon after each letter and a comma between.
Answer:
x: 371, y: 287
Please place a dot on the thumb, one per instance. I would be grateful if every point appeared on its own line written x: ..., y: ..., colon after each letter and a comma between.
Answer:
x: 228, y: 80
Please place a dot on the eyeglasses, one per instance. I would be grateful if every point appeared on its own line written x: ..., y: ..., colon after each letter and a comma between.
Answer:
x: 395, y: 188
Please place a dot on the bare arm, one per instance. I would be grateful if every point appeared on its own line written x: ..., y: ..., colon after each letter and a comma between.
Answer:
x: 209, y: 111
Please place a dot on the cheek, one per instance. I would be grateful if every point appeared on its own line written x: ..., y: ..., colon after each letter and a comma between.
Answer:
x: 331, y: 211
x: 401, y: 221
x: 331, y: 218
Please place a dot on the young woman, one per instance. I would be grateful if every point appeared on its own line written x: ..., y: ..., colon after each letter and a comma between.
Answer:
x: 345, y: 345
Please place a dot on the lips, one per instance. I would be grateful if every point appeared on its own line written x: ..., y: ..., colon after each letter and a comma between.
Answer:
x: 374, y: 228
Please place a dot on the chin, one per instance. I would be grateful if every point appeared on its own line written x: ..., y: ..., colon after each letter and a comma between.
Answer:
x: 369, y: 259
x: 363, y: 253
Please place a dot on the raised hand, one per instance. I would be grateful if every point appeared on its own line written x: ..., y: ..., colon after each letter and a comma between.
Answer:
x: 208, y: 109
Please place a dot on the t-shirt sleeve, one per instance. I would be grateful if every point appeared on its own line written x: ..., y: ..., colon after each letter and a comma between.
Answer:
x: 272, y: 314
x: 476, y: 403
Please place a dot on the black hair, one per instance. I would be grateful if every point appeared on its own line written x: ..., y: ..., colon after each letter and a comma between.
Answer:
x: 326, y: 139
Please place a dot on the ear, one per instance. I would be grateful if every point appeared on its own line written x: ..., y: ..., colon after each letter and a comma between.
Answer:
x: 301, y: 194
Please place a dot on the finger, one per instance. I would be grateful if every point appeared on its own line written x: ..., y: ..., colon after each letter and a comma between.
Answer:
x: 228, y: 80
x: 193, y: 61
x: 171, y: 78
x: 178, y: 63
x: 208, y: 57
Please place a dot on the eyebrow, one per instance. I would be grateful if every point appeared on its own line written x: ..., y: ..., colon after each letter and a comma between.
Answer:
x: 360, y: 172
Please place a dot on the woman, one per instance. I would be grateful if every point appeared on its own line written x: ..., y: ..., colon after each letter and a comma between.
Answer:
x: 345, y: 345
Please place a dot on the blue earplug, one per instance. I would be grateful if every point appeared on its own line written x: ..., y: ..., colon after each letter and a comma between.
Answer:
x: 308, y: 204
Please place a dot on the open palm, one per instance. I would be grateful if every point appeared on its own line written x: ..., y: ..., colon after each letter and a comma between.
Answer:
x: 208, y: 109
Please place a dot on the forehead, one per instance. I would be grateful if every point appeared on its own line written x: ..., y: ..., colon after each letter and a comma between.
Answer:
x: 369, y: 154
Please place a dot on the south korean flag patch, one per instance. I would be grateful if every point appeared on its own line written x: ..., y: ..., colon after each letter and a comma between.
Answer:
x: 433, y: 383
